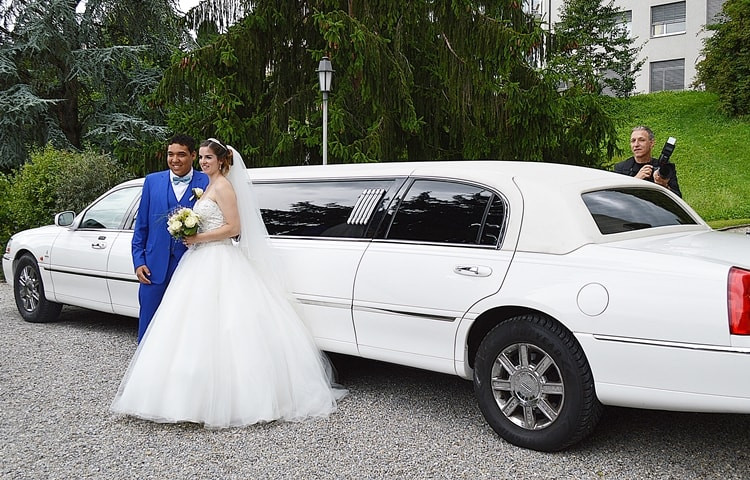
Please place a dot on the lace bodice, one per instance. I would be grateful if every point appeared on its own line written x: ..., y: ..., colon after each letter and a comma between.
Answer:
x: 210, y: 218
x: 209, y: 213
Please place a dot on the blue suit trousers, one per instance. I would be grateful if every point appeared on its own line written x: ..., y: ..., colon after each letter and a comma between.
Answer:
x: 150, y: 297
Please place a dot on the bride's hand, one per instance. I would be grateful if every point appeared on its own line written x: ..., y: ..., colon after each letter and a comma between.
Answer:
x: 191, y: 240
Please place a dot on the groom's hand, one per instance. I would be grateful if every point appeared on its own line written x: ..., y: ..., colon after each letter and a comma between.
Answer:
x: 143, y: 273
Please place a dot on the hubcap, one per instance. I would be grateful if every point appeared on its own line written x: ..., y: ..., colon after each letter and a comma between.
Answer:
x: 527, y: 386
x: 28, y: 289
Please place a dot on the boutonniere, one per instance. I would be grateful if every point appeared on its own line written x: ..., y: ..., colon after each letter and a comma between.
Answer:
x: 197, y: 193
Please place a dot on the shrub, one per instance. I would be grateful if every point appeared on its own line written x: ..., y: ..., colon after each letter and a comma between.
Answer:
x: 56, y: 180
x: 88, y: 175
x: 6, y: 223
x: 726, y: 64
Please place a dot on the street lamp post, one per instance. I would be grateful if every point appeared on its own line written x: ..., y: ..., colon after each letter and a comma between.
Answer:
x: 325, y: 76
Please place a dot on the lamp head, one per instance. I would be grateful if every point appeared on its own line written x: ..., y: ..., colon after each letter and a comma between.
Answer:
x: 325, y: 74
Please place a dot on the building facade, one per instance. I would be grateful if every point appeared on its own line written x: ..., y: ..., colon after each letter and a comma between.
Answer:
x: 671, y: 34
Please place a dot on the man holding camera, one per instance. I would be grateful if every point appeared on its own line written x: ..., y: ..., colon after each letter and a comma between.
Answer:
x: 642, y: 165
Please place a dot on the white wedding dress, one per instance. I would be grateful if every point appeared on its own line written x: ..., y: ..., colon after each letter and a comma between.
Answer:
x: 224, y: 349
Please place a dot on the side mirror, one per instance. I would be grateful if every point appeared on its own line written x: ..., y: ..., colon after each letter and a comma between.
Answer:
x: 65, y: 219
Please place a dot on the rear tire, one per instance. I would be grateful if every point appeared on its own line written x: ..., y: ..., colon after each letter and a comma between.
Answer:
x: 534, y: 385
x: 29, y: 293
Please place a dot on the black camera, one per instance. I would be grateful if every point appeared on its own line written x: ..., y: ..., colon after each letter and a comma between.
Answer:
x: 665, y: 168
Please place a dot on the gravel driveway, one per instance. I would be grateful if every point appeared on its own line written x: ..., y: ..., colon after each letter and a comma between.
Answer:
x: 57, y: 380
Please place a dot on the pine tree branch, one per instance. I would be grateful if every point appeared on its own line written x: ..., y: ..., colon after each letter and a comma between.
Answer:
x: 448, y: 44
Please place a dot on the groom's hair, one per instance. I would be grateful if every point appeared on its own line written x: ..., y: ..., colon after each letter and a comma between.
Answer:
x: 185, y: 140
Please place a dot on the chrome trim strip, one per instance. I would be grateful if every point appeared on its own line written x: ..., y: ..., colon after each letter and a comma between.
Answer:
x: 681, y: 345
x: 321, y: 303
x: 365, y: 205
x: 434, y: 244
x: 381, y: 240
x: 319, y: 238
x: 426, y: 316
x: 121, y: 278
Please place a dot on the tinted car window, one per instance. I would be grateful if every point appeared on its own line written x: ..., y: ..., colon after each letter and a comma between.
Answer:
x: 321, y: 209
x: 110, y: 211
x: 448, y: 212
x: 623, y: 210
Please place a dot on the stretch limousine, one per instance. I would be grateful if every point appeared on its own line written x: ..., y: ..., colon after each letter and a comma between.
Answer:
x: 555, y: 289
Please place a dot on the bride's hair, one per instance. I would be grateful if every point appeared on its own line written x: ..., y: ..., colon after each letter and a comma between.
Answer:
x: 223, y: 154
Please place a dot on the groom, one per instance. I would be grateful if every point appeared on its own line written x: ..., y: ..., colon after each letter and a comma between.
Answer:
x: 155, y: 252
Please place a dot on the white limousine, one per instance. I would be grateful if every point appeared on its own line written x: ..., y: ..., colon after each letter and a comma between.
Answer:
x: 556, y: 289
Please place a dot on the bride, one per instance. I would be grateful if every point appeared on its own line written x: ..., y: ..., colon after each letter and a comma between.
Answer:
x: 226, y: 347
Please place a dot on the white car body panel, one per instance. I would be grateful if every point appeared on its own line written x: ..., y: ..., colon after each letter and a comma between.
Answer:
x: 121, y: 280
x: 394, y: 318
x: 321, y: 274
x: 671, y: 377
x: 37, y: 242
x: 78, y: 266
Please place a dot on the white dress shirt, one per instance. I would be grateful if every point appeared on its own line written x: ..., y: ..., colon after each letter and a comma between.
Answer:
x: 179, y: 188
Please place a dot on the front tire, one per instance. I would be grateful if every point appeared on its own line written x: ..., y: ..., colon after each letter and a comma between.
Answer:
x: 534, y: 385
x: 29, y: 293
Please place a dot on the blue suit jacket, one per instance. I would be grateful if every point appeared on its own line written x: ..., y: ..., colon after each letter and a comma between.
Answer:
x: 152, y: 243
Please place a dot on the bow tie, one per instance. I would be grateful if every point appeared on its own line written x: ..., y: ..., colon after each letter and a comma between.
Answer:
x: 179, y: 180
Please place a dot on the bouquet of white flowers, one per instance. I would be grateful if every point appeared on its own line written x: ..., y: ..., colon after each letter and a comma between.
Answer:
x: 182, y: 223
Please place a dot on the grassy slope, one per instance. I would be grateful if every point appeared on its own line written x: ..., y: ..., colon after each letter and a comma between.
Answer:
x: 712, y: 153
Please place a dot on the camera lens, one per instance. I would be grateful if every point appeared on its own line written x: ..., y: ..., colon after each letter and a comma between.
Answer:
x: 666, y: 170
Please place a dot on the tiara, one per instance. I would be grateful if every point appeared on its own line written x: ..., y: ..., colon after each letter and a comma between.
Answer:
x: 218, y: 143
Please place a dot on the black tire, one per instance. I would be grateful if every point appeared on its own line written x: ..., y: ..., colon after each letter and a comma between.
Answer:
x: 29, y: 292
x: 534, y: 384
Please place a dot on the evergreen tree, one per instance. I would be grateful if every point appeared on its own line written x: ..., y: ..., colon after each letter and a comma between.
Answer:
x: 593, y: 48
x: 725, y: 69
x: 419, y: 80
x: 74, y: 72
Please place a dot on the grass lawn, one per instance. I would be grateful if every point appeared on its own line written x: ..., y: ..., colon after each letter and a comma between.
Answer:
x: 712, y: 153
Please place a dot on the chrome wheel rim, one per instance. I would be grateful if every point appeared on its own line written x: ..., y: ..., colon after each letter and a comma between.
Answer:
x: 28, y: 289
x: 527, y: 386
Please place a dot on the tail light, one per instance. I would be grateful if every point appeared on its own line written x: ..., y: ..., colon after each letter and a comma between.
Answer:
x: 738, y: 293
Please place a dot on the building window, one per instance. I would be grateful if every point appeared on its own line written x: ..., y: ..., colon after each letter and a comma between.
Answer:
x: 533, y: 7
x: 668, y: 75
x: 668, y: 19
x: 625, y: 19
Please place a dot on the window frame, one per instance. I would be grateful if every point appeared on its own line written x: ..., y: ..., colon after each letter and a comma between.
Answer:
x: 664, y: 26
x: 392, y: 211
x: 624, y: 19
x: 662, y: 67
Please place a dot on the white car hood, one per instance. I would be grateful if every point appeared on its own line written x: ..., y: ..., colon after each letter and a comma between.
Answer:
x: 47, y: 229
x: 723, y: 247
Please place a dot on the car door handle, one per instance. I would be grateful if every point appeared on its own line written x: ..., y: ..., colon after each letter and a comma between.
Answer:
x: 473, y: 270
x: 100, y: 244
